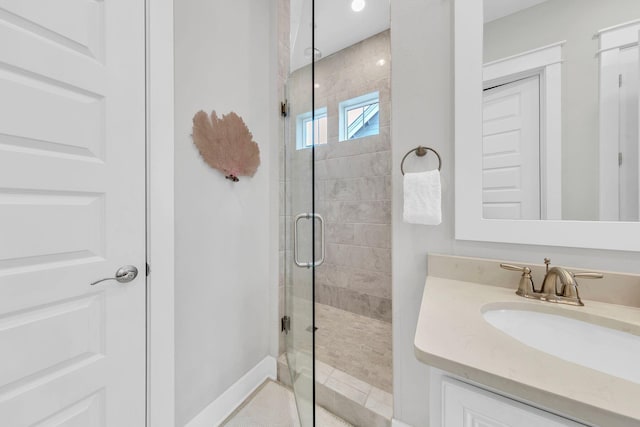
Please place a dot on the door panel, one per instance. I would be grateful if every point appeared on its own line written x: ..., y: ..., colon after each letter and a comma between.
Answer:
x: 511, y: 151
x: 629, y: 149
x: 301, y: 226
x: 72, y: 211
x: 299, y: 270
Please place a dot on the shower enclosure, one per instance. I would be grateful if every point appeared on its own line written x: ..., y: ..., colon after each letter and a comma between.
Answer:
x: 300, y: 219
x: 335, y: 211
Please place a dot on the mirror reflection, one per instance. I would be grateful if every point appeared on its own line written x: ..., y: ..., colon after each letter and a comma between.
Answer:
x: 560, y: 110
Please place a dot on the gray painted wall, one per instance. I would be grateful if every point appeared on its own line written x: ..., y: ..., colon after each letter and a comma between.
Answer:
x: 225, y: 233
x: 575, y: 21
x: 422, y: 98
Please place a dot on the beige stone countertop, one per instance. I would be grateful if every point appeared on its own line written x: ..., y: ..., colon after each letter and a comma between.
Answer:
x: 452, y: 335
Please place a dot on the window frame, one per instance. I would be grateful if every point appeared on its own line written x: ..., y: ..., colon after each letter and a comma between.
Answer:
x: 301, y: 127
x: 350, y: 104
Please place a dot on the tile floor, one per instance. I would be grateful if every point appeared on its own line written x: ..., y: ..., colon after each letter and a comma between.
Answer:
x: 273, y: 405
x: 353, y: 364
x: 346, y: 396
x: 357, y: 345
x: 361, y: 392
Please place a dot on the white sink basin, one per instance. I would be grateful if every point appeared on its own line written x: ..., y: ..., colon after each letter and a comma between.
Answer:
x: 597, y: 347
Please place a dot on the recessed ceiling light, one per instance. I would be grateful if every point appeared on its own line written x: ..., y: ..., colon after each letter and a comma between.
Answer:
x: 380, y: 62
x: 357, y: 5
x: 317, y: 85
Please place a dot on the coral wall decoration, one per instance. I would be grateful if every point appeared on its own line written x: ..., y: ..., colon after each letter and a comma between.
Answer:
x: 226, y: 144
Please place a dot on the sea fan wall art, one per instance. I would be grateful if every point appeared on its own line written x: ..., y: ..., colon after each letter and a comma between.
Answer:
x: 226, y: 144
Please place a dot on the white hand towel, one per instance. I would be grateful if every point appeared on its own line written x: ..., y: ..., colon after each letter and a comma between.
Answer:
x: 422, y: 198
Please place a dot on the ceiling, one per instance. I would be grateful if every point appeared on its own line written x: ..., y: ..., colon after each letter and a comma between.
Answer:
x: 494, y: 9
x: 337, y: 26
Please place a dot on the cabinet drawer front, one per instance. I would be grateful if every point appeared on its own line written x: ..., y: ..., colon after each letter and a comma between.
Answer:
x: 464, y: 405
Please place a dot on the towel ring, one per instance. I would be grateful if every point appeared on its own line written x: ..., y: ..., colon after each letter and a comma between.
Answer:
x: 421, y: 152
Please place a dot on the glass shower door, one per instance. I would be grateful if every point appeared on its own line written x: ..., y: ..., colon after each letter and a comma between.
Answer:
x: 303, y: 226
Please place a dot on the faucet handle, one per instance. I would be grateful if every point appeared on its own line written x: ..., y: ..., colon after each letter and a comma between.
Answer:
x: 525, y: 270
x: 588, y: 275
x: 571, y: 290
x: 526, y: 287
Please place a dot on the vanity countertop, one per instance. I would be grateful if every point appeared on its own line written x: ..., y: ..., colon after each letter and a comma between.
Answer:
x: 452, y: 335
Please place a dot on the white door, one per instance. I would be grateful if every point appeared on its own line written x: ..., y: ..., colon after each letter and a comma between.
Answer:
x: 619, y: 193
x: 629, y: 153
x: 511, y: 151
x: 72, y: 203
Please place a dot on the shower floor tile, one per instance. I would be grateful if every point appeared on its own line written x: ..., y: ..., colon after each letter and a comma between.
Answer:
x: 273, y: 405
x: 347, y: 397
x: 357, y: 345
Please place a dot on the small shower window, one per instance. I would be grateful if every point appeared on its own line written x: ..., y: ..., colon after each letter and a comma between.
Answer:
x: 360, y: 116
x: 311, y: 130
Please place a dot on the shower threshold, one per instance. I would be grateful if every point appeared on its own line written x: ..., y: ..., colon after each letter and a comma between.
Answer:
x: 345, y: 396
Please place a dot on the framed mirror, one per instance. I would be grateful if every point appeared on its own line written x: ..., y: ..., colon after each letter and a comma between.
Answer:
x: 547, y: 119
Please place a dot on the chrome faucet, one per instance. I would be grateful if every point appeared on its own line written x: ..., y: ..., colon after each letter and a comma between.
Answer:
x: 566, y: 294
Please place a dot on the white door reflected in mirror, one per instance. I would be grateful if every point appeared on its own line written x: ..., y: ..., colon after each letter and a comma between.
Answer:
x: 587, y: 63
x: 511, y: 150
x: 598, y: 121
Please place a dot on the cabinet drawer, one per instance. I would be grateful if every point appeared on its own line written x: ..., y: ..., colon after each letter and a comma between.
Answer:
x: 464, y: 405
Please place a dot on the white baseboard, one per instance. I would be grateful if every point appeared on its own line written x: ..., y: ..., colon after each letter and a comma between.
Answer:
x: 397, y: 423
x: 223, y: 406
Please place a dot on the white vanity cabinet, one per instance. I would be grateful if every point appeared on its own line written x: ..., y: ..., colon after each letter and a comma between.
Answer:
x: 458, y: 404
x: 457, y: 341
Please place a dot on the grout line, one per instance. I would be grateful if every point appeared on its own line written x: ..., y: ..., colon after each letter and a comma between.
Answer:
x: 356, y: 246
x: 347, y: 156
x: 331, y: 203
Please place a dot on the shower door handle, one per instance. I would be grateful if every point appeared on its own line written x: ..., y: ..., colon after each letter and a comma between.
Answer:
x: 296, y: 258
x: 321, y: 260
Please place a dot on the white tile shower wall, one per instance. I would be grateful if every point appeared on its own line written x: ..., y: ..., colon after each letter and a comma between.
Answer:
x: 422, y: 98
x: 225, y: 233
x: 352, y: 179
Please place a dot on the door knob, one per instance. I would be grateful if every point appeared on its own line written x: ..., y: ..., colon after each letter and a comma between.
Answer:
x: 124, y: 275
